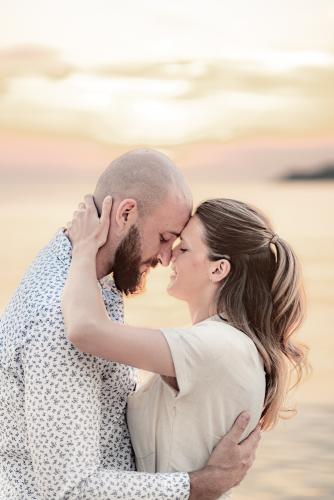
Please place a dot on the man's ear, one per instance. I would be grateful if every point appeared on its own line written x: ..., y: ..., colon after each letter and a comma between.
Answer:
x: 126, y: 214
x: 219, y: 269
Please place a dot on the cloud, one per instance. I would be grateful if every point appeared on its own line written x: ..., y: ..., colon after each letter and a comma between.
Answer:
x: 168, y: 70
x: 209, y: 77
x: 3, y: 87
x: 25, y: 60
x: 203, y: 77
x: 175, y: 100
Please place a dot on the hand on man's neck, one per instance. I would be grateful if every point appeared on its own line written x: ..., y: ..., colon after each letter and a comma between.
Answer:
x: 103, y: 267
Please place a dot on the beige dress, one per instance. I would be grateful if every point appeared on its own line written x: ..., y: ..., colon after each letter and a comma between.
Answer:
x: 219, y: 373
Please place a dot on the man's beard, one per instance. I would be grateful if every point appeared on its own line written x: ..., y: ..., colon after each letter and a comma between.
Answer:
x: 128, y: 260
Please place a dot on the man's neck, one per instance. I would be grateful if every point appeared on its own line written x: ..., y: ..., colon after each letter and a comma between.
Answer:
x: 103, y: 266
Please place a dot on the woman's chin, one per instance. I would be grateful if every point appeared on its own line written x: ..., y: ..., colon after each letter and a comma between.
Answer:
x: 171, y: 288
x: 174, y: 290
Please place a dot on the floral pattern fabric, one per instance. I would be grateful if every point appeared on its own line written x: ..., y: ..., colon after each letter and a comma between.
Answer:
x: 63, y: 430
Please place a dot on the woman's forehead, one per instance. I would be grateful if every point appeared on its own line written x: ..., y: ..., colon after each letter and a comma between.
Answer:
x: 193, y: 230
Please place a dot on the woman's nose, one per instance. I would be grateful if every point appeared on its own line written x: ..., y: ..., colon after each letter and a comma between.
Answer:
x: 175, y: 253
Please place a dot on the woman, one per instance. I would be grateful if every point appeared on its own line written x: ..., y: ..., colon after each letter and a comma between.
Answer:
x: 243, y: 288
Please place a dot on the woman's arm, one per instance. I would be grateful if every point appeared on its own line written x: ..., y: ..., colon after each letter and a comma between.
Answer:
x: 87, y: 323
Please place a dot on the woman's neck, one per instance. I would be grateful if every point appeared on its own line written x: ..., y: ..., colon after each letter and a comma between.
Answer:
x: 199, y: 311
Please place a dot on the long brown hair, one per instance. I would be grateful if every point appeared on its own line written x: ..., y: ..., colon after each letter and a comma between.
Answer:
x: 262, y: 295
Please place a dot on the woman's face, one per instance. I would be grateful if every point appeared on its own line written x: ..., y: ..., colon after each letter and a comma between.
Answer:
x: 190, y: 264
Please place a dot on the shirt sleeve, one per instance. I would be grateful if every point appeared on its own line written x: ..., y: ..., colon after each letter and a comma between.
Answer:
x: 192, y: 356
x: 63, y: 416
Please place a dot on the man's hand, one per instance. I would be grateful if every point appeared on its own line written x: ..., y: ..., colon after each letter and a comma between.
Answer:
x: 228, y: 464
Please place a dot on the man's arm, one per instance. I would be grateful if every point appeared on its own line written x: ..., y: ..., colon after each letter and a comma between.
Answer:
x: 63, y: 417
x: 226, y: 468
x: 228, y: 464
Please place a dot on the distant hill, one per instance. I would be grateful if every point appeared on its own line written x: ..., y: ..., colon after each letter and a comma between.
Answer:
x: 323, y: 173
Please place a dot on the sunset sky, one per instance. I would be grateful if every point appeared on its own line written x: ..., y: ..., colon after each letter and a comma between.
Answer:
x: 164, y: 73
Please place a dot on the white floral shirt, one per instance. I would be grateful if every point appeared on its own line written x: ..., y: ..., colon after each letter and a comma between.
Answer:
x: 63, y: 431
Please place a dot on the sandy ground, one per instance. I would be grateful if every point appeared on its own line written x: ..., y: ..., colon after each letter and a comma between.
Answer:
x: 296, y: 459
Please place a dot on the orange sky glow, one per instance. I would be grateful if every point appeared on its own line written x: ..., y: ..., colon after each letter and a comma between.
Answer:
x: 83, y: 81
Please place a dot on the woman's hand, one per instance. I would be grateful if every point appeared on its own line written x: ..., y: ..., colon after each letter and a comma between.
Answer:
x: 87, y: 230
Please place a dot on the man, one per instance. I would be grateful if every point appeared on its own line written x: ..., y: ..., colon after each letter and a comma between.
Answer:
x: 62, y: 415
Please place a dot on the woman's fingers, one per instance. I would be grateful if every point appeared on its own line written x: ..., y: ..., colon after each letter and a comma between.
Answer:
x: 89, y: 201
x: 106, y: 209
x: 105, y: 217
x: 86, y: 225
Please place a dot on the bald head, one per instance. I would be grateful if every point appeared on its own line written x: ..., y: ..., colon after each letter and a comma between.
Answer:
x: 145, y: 175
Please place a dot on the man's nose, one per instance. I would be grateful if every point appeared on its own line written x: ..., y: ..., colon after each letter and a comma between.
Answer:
x: 164, y: 257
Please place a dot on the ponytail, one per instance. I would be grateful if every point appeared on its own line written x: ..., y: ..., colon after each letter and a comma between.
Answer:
x: 262, y: 295
x: 290, y: 359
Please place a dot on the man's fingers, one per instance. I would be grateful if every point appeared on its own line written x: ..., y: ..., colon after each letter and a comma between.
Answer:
x: 251, y: 442
x: 238, y: 427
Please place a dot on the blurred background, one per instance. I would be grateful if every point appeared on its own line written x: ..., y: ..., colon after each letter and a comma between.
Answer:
x: 240, y: 94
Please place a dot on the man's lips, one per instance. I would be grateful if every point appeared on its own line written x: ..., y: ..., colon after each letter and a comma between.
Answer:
x: 150, y: 263
x: 144, y: 269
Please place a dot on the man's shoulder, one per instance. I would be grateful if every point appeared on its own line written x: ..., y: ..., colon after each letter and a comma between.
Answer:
x: 48, y: 267
x: 36, y: 298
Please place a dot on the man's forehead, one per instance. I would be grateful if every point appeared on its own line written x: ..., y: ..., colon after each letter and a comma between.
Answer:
x: 175, y: 229
x: 175, y: 206
x: 173, y: 220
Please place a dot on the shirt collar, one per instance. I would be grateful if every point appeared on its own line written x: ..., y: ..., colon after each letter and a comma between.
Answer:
x: 61, y: 246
